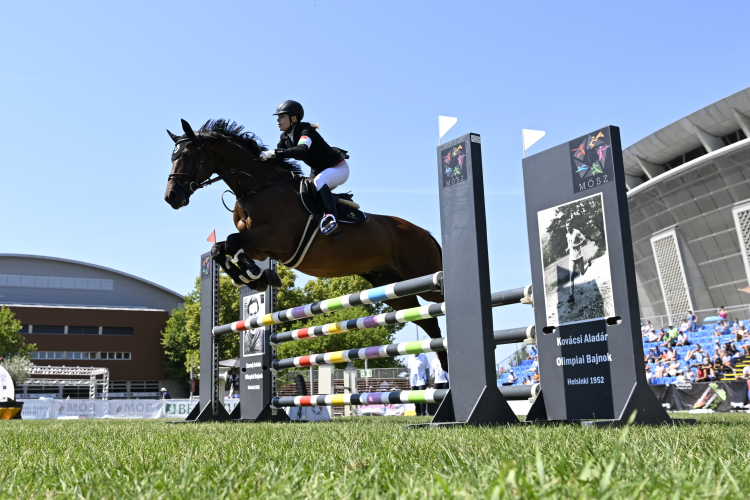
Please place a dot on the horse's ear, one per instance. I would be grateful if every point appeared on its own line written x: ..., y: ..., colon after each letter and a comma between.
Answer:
x: 175, y: 138
x: 188, y: 130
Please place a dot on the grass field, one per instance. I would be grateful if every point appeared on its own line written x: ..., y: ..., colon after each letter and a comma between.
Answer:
x: 372, y: 458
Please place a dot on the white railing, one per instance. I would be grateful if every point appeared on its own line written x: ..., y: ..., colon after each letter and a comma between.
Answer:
x: 740, y: 312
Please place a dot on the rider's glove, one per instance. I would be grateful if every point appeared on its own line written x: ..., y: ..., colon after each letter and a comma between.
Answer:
x: 267, y: 154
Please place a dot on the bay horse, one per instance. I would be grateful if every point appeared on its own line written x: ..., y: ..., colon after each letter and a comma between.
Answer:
x: 270, y: 219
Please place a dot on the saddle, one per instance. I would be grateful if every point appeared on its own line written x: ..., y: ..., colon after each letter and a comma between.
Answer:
x: 347, y: 212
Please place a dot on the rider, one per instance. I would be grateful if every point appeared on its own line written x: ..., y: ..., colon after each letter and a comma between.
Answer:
x: 301, y: 141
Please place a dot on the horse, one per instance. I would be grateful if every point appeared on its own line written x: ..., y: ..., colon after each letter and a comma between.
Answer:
x: 270, y: 219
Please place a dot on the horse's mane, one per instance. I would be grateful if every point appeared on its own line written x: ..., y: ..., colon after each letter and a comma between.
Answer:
x: 226, y: 129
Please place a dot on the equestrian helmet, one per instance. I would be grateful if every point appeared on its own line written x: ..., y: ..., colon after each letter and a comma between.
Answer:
x: 290, y: 108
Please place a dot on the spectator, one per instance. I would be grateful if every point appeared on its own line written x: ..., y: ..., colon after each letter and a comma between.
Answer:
x: 671, y: 339
x: 727, y: 362
x: 511, y: 378
x: 658, y: 370
x: 684, y: 326
x: 532, y: 353
x: 717, y: 351
x: 722, y: 312
x: 680, y: 377
x: 535, y: 378
x: 649, y: 375
x: 165, y: 394
x: 690, y: 376
x: 726, y: 330
x: 441, y: 376
x: 526, y: 381
x: 740, y: 333
x: 653, y: 355
x: 736, y: 353
x: 662, y: 335
x: 697, y: 354
x: 682, y: 339
x: 418, y: 377
x: 717, y: 332
x: 234, y: 381
x: 674, y: 366
x: 701, y: 374
x: 692, y: 322
x: 652, y: 336
x: 669, y: 355
x: 745, y: 373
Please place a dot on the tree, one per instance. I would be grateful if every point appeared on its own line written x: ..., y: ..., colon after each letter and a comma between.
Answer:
x: 18, y: 367
x: 11, y: 342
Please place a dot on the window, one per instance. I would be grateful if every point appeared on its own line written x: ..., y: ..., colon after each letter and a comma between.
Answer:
x: 117, y: 330
x: 49, y: 329
x: 126, y: 356
x: 47, y: 355
x: 24, y: 329
x: 59, y: 282
x: 83, y: 330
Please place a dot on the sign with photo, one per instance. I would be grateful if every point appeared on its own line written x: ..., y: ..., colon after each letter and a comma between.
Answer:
x: 252, y: 340
x: 577, y: 277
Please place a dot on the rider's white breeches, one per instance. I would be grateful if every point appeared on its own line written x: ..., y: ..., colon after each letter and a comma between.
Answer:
x: 333, y: 176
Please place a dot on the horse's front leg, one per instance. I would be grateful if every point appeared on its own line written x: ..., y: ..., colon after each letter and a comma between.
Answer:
x: 237, y: 275
x: 234, y: 253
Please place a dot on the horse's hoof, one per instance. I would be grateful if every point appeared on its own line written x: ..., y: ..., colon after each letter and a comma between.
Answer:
x: 258, y: 286
x: 272, y: 278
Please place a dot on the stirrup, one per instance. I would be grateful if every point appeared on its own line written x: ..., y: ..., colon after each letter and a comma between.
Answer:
x: 328, y: 224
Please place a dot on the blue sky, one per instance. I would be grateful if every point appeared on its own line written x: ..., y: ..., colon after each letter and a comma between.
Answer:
x: 87, y: 90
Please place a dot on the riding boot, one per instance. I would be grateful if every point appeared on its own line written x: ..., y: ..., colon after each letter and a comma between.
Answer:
x: 328, y: 225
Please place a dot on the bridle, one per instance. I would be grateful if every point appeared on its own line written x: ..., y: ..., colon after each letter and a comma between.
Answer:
x: 190, y: 185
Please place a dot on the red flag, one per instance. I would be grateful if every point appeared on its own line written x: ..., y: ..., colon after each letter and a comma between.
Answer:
x: 212, y: 238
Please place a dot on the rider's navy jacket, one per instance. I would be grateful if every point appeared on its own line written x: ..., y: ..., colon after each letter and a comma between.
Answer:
x: 308, y: 145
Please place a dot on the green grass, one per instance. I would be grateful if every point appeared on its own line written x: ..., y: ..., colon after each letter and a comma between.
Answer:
x: 372, y: 458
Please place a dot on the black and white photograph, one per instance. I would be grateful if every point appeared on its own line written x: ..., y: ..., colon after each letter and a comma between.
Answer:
x: 252, y: 340
x: 577, y: 277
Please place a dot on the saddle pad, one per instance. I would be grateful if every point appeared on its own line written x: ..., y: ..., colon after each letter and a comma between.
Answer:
x: 345, y: 214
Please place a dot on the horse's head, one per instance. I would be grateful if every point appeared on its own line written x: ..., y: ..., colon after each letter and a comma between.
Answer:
x: 191, y: 166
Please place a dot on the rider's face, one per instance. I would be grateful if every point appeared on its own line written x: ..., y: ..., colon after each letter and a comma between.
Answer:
x: 283, y: 121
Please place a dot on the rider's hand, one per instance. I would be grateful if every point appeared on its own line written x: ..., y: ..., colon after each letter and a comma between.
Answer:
x: 267, y: 154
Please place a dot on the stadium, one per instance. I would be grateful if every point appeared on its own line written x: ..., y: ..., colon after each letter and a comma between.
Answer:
x: 689, y: 198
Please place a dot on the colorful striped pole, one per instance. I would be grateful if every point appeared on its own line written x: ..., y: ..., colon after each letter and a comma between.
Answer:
x: 391, y: 318
x: 429, y: 283
x: 375, y: 352
x: 365, y: 398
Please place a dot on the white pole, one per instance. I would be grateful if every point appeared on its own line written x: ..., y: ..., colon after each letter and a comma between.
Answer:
x: 312, y: 381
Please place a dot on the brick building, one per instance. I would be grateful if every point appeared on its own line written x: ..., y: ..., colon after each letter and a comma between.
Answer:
x: 80, y: 314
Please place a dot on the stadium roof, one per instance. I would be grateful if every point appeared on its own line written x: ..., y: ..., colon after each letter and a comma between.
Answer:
x: 706, y: 128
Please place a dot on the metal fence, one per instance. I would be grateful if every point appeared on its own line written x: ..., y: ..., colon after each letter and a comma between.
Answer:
x: 740, y: 312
